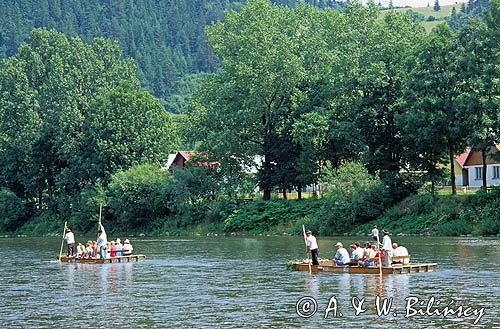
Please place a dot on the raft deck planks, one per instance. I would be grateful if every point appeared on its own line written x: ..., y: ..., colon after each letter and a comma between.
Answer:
x: 329, y: 266
x: 118, y: 259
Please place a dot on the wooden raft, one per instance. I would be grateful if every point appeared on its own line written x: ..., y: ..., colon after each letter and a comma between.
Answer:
x: 118, y: 259
x: 330, y: 266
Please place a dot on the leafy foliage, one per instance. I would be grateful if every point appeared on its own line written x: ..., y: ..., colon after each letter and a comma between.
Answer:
x: 261, y: 216
x: 12, y: 209
x: 353, y: 197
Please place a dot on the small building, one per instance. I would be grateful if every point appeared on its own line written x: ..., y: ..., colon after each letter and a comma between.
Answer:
x: 469, y: 167
x: 182, y: 159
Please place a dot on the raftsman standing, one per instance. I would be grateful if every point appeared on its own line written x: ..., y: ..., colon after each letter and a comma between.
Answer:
x: 312, y: 246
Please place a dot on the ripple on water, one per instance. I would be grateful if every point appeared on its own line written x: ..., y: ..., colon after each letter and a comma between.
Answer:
x: 233, y: 283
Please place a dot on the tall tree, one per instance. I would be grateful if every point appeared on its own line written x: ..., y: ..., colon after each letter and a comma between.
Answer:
x: 434, y: 92
x: 267, y: 54
x: 436, y: 7
x: 47, y: 89
x: 478, y: 54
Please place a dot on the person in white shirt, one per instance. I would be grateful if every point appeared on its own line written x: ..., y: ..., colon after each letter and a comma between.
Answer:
x: 400, y: 251
x: 312, y: 246
x: 387, y: 248
x: 102, y: 242
x: 342, y: 256
x: 70, y: 241
x: 127, y: 248
x: 375, y: 233
x: 80, y: 250
x: 357, y: 253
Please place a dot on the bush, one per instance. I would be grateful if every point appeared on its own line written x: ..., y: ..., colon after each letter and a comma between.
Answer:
x: 352, y: 197
x: 12, y: 210
x: 261, y: 216
x: 135, y: 198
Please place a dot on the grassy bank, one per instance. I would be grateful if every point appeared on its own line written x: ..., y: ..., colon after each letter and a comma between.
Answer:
x: 441, y: 215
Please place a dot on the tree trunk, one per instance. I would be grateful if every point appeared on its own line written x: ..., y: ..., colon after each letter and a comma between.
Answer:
x: 452, y: 175
x: 267, y: 194
x: 299, y: 192
x: 40, y: 199
x: 484, y: 155
x: 284, y: 193
x: 433, y: 185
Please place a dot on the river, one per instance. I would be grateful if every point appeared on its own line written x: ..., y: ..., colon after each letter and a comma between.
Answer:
x: 239, y: 282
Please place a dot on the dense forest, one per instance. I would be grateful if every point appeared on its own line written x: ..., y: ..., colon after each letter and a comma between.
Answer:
x: 373, y: 108
x: 165, y: 38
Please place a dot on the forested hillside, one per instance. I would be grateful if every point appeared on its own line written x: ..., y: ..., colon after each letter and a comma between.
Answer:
x: 165, y: 38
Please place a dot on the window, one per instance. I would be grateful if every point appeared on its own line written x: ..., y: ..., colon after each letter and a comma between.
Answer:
x: 496, y: 172
x: 479, y: 173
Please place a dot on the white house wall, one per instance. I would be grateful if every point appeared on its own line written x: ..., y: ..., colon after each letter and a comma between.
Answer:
x: 479, y: 182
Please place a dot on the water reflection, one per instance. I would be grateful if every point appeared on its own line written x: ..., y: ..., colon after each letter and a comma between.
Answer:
x: 233, y: 282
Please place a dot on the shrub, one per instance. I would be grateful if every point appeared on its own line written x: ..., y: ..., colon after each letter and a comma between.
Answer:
x: 135, y: 197
x: 260, y: 216
x: 352, y: 197
x: 12, y: 210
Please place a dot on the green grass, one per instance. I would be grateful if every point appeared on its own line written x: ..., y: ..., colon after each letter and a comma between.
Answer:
x: 427, y: 11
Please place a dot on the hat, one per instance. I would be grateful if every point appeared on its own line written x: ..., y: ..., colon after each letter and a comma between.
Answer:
x: 118, y: 240
x: 339, y: 244
x: 375, y: 226
x: 126, y: 241
x: 68, y: 230
x: 308, y: 232
x: 384, y: 231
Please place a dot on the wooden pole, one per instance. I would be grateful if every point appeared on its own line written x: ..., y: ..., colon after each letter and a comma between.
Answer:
x: 305, y: 241
x: 100, y: 214
x: 62, y: 241
x: 379, y: 261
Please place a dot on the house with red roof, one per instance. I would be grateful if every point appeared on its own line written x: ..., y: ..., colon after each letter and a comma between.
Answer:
x: 182, y: 159
x: 469, y: 167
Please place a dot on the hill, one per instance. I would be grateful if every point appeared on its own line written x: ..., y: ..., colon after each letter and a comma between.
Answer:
x: 165, y: 38
x: 430, y: 17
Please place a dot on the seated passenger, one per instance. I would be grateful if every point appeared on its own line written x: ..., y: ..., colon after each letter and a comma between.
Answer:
x: 113, y: 249
x: 80, y: 250
x: 88, y: 250
x: 95, y: 250
x: 119, y: 247
x: 400, y: 251
x: 127, y: 248
x: 357, y: 254
x: 354, y: 255
x: 342, y: 256
x: 368, y: 255
x: 108, y: 249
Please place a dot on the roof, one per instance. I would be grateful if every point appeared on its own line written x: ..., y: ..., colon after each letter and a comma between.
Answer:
x: 193, y: 156
x: 187, y: 155
x: 462, y: 158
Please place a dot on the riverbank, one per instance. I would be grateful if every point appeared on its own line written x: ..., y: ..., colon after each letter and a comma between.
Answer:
x: 417, y: 215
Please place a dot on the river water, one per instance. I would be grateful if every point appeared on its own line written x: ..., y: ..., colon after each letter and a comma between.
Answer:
x: 238, y: 282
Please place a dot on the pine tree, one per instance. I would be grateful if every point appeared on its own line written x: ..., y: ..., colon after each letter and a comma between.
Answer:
x: 462, y: 7
x: 437, y: 7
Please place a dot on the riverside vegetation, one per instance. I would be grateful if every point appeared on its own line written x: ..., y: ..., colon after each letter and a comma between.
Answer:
x: 372, y: 108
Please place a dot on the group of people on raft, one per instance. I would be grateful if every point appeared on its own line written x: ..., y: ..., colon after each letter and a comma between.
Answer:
x: 102, y: 248
x: 367, y: 255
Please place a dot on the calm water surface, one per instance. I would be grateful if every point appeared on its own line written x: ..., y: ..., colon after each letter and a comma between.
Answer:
x: 235, y: 282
